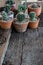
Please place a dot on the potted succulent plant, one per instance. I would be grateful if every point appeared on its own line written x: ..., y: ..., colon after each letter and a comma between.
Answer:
x: 34, y: 21
x: 21, y: 22
x: 5, y: 21
x: 35, y: 7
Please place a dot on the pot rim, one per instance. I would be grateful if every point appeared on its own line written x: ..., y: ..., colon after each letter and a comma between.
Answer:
x: 22, y: 22
x: 38, y: 19
x: 29, y: 6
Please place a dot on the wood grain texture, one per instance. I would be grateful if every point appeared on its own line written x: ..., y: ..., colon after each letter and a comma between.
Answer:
x: 26, y: 48
x: 3, y: 47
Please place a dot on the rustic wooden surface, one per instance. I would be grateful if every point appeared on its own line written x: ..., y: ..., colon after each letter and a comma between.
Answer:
x: 26, y: 48
x: 4, y: 41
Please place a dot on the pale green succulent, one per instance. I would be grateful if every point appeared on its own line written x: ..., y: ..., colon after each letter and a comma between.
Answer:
x: 5, y: 16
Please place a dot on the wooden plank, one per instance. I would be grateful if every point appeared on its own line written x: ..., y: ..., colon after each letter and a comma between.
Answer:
x: 3, y: 47
x: 33, y: 47
x: 14, y: 52
x: 26, y: 48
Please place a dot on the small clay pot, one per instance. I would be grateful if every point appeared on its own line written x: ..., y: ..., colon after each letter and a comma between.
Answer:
x: 34, y: 24
x: 6, y: 25
x: 36, y: 10
x: 21, y: 27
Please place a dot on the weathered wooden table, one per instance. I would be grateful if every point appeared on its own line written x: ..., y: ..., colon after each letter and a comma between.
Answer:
x: 4, y: 41
x: 26, y: 48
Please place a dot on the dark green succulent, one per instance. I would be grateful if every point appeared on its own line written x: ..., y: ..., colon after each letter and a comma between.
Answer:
x: 10, y: 2
x: 21, y: 17
x: 7, y: 8
x: 5, y: 16
x: 32, y: 16
x: 22, y: 7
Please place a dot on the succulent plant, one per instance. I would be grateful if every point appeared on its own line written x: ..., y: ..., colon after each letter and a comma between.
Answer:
x: 10, y: 2
x: 20, y: 17
x: 5, y: 16
x: 7, y: 8
x: 32, y: 16
x: 22, y: 7
x: 35, y: 5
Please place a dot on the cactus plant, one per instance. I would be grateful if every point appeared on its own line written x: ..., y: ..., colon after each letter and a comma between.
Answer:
x: 5, y: 16
x: 21, y: 17
x: 10, y: 2
x: 22, y: 7
x: 32, y: 16
x: 7, y: 8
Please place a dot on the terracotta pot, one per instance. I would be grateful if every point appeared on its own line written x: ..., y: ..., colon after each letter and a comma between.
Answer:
x: 34, y: 24
x: 37, y: 10
x: 6, y: 25
x: 20, y: 27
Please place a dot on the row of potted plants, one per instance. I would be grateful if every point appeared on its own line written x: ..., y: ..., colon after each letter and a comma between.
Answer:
x: 25, y: 16
x: 6, y: 15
